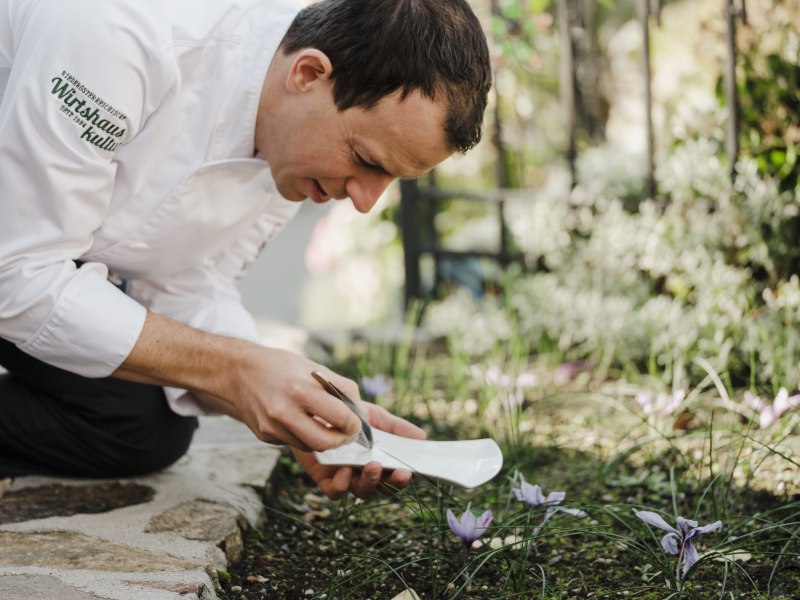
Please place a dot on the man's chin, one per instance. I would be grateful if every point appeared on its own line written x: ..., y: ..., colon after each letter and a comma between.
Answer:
x: 290, y: 193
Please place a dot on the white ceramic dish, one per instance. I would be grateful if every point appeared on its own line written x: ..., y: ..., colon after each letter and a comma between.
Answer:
x: 467, y: 463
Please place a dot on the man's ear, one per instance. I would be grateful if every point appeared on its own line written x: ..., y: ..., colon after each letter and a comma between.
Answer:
x: 308, y: 67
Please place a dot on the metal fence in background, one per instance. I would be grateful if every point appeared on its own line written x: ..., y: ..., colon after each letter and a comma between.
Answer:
x: 422, y: 200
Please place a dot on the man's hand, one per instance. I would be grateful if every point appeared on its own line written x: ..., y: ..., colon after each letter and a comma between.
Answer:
x: 364, y: 482
x: 283, y: 404
x: 270, y: 390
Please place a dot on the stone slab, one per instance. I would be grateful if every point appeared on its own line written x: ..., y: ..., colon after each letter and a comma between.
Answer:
x: 56, y: 499
x: 203, y: 520
x: 70, y: 550
x: 39, y: 587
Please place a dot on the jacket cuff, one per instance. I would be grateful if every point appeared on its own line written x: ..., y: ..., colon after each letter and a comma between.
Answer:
x: 187, y: 404
x: 91, y: 329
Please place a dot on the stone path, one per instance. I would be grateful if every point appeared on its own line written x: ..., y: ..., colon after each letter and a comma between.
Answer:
x: 160, y: 537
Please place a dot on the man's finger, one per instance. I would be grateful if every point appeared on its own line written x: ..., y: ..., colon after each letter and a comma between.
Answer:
x: 333, y: 411
x: 365, y: 484
x: 336, y: 486
x: 399, y: 478
x: 386, y: 421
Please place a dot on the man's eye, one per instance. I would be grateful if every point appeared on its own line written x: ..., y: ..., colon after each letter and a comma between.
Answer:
x: 363, y: 163
x: 360, y: 161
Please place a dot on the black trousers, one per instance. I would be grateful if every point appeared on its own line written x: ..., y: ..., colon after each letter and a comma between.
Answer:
x: 53, y: 422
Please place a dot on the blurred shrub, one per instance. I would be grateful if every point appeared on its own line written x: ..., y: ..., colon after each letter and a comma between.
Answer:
x: 710, y: 271
x: 769, y: 89
x: 651, y: 288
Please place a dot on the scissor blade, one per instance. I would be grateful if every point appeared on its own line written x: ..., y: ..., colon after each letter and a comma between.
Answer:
x: 365, y: 435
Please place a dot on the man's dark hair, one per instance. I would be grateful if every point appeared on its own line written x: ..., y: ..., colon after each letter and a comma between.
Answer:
x: 377, y: 47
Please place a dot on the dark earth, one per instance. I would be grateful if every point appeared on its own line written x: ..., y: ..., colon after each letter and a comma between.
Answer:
x: 57, y: 500
x: 311, y: 547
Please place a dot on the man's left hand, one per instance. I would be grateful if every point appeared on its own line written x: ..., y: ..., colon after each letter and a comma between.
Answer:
x: 362, y: 482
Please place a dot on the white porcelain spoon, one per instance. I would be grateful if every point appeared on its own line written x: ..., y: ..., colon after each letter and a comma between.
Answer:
x: 466, y: 463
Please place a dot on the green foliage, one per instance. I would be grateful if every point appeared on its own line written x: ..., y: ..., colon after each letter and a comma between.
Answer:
x: 769, y: 92
x: 700, y: 277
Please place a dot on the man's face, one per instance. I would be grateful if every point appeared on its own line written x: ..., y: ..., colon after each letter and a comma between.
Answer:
x: 317, y: 152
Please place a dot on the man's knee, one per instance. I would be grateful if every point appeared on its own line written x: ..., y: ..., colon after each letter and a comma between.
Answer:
x: 86, y: 427
x: 166, y: 441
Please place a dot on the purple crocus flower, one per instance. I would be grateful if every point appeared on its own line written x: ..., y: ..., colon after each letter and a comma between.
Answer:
x: 679, y: 541
x: 377, y: 386
x: 468, y: 528
x: 662, y: 404
x: 533, y: 495
x: 566, y: 372
x: 769, y: 412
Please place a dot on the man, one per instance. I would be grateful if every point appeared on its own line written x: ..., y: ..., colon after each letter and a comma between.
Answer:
x: 163, y: 143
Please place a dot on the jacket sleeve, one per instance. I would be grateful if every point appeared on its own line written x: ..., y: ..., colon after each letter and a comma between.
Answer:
x: 206, y: 297
x: 85, y: 77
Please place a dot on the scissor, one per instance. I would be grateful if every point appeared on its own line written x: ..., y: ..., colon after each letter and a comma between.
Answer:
x: 365, y: 435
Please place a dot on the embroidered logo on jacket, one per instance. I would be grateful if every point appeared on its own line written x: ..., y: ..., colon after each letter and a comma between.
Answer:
x: 103, y: 126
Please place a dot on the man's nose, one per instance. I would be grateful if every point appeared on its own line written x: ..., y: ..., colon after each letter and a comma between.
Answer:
x: 364, y: 191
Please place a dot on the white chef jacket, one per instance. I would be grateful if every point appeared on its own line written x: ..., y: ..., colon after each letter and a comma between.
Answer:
x: 126, y: 142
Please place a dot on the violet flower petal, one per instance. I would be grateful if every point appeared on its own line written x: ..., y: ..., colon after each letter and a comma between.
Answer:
x: 484, y: 520
x: 468, y: 522
x: 555, y: 498
x: 715, y: 526
x: 780, y: 397
x: 753, y: 400
x: 784, y: 402
x: 652, y: 518
x: 532, y: 494
x: 376, y: 386
x: 685, y: 525
x: 468, y: 528
x: 575, y: 512
x: 767, y: 416
x: 454, y: 523
x: 689, y: 556
x: 670, y: 543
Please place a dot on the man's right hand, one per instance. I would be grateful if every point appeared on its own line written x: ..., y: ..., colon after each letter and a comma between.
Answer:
x: 268, y: 389
x: 283, y: 404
